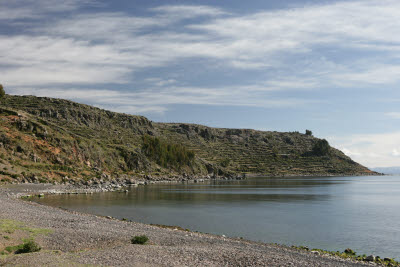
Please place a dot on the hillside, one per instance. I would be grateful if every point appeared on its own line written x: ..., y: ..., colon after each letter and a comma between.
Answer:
x: 45, y: 139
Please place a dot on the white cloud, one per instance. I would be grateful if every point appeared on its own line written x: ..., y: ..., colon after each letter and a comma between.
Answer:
x: 188, y: 11
x: 107, y: 26
x: 394, y: 115
x: 160, y: 82
x: 372, y: 150
x: 23, y: 9
x: 134, y: 109
x: 371, y: 75
x: 256, y: 41
x: 109, y: 47
x: 396, y: 153
x: 157, y: 99
x: 28, y: 61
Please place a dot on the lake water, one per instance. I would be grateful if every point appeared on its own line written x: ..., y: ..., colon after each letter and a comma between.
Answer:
x: 333, y: 213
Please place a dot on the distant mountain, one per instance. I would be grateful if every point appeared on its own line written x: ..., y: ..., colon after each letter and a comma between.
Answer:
x: 45, y: 139
x: 387, y: 170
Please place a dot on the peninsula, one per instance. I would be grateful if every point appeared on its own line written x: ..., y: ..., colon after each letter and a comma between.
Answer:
x: 46, y: 140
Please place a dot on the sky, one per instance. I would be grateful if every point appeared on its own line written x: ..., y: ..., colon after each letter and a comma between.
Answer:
x: 329, y: 66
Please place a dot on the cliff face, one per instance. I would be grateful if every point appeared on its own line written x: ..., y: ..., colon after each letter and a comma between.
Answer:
x: 44, y: 139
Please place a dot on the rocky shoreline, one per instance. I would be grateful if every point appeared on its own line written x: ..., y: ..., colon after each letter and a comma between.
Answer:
x: 76, y: 238
x: 70, y: 186
x: 106, y: 183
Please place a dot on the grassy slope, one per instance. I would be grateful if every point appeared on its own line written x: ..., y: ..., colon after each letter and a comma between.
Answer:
x: 53, y: 138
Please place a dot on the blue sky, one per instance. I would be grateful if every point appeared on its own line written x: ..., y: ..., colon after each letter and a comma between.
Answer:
x: 329, y: 66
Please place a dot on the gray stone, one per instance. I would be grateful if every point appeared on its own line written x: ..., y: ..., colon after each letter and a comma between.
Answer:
x: 370, y: 258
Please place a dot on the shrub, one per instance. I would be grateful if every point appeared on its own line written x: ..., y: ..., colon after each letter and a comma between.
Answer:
x: 2, y: 92
x: 28, y: 247
x: 139, y: 239
x: 321, y: 148
x: 225, y: 162
x: 5, y: 139
x: 349, y: 251
x: 166, y: 154
x: 308, y: 132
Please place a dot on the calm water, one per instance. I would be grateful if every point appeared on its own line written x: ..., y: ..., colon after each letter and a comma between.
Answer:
x: 362, y: 213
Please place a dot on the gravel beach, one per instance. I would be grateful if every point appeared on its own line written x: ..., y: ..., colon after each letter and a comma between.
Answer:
x: 76, y: 239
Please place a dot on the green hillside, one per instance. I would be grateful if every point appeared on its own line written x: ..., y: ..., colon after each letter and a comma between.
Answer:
x: 45, y: 139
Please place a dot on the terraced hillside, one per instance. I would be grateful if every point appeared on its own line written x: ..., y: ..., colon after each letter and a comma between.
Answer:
x: 259, y: 152
x: 45, y: 139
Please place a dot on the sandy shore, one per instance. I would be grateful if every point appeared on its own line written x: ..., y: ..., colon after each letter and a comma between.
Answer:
x: 80, y: 239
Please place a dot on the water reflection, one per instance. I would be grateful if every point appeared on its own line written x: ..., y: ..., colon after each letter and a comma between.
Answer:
x: 251, y: 190
x: 331, y: 212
